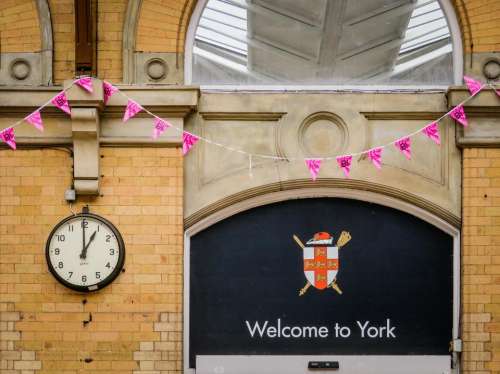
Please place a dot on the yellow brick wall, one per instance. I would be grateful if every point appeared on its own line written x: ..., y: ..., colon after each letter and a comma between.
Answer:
x: 481, y: 261
x: 63, y: 29
x: 19, y: 26
x: 111, y: 15
x: 136, y: 321
x: 483, y: 18
x: 162, y: 25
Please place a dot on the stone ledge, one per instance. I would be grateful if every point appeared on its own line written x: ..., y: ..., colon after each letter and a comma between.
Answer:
x: 483, y: 112
x: 172, y: 103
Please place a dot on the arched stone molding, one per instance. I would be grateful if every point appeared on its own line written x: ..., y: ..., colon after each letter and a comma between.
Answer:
x: 129, y: 39
x: 329, y: 187
x: 47, y: 42
x: 447, y: 6
x: 456, y: 39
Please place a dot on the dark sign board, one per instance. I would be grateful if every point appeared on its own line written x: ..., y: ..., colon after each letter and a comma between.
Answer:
x: 386, y: 291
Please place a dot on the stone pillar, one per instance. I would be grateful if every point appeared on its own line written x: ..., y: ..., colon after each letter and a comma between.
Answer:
x: 480, y: 231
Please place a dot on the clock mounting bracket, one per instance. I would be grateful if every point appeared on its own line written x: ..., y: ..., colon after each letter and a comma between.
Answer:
x: 85, y: 125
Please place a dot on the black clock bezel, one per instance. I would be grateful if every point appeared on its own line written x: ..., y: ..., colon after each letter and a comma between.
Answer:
x: 106, y: 281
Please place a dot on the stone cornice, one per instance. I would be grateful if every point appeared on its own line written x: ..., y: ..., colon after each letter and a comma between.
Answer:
x: 167, y: 98
x: 172, y: 103
x: 484, y: 114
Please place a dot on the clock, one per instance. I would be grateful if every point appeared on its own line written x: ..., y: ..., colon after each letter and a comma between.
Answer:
x: 85, y: 252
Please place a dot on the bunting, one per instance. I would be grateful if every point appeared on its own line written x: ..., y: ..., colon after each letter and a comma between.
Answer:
x: 159, y: 127
x: 108, y: 91
x: 61, y: 101
x: 35, y: 119
x: 313, y: 164
x: 85, y: 83
x: 375, y: 155
x: 432, y: 132
x: 188, y: 141
x: 404, y: 145
x: 458, y: 114
x: 131, y: 110
x: 8, y: 137
x: 473, y: 85
x: 345, y: 164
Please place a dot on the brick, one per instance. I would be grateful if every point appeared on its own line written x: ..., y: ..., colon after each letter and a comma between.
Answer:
x: 9, y: 316
x: 27, y: 365
x: 10, y: 355
x: 27, y: 355
x: 146, y: 346
x: 147, y: 356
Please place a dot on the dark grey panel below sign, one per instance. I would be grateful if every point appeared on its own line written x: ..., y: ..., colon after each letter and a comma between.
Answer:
x: 395, y: 275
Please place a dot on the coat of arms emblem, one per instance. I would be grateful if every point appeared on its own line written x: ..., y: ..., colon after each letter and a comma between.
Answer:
x: 321, y: 260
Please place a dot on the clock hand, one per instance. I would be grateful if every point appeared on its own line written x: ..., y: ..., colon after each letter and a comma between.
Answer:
x: 84, y: 253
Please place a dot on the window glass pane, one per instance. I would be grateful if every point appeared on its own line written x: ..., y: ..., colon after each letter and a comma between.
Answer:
x: 350, y: 42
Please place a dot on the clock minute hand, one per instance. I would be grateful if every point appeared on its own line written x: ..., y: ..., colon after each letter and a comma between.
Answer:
x: 84, y: 252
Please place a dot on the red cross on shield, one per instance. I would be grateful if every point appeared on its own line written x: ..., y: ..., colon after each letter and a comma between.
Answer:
x: 321, y: 265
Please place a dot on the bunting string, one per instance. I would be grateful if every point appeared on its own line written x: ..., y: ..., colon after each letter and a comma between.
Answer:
x: 476, y: 91
x: 160, y: 125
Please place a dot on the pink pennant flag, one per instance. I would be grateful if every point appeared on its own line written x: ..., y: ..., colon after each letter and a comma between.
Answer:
x: 404, y: 145
x: 85, y: 83
x: 473, y: 85
x: 7, y: 136
x: 35, y: 119
x: 345, y: 164
x: 188, y: 141
x: 131, y: 110
x: 313, y: 164
x: 108, y: 90
x: 497, y: 92
x: 458, y: 114
x: 61, y: 101
x: 375, y: 155
x: 160, y: 127
x: 432, y: 132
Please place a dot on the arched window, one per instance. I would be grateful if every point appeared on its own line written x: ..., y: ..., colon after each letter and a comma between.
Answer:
x: 323, y: 42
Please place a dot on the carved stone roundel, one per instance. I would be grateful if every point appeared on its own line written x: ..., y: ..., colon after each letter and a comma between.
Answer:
x: 491, y: 69
x: 20, y: 69
x: 323, y: 134
x: 156, y: 69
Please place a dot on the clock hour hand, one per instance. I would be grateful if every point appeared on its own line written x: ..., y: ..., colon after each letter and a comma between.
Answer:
x: 83, y: 255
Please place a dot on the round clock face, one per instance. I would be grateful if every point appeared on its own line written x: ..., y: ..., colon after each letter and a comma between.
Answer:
x: 85, y: 252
